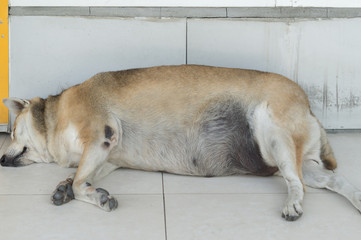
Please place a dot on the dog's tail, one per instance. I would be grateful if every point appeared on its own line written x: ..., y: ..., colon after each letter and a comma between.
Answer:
x: 327, y: 155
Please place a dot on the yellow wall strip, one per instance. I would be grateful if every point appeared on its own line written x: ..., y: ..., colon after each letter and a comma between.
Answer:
x: 4, y: 60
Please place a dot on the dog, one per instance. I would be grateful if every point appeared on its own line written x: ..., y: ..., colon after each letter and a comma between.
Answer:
x: 188, y: 120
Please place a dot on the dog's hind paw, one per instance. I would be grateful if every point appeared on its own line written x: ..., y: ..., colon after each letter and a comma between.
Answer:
x: 107, y: 202
x: 292, y: 212
x: 63, y: 192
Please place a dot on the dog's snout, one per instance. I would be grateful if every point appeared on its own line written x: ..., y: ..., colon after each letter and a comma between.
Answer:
x: 7, y: 162
x: 2, y: 160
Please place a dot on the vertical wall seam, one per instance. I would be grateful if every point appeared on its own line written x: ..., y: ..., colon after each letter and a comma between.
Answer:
x: 186, y: 40
x: 325, y: 98
x: 337, y: 103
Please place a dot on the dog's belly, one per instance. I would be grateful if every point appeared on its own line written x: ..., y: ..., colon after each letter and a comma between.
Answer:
x: 220, y: 142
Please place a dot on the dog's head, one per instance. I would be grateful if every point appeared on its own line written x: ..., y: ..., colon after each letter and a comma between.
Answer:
x: 28, y: 135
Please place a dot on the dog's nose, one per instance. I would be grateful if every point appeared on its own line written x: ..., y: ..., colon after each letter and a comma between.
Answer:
x: 2, y: 160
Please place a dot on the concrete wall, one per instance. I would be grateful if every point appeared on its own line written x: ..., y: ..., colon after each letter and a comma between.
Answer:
x: 322, y: 55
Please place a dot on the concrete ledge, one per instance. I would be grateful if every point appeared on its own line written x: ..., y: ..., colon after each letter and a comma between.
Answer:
x: 290, y: 12
x: 336, y: 131
x: 195, y: 12
x: 344, y: 12
x: 124, y: 12
x: 190, y: 12
x: 254, y: 12
x: 49, y: 11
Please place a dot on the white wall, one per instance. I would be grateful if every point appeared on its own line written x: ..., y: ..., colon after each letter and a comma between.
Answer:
x: 323, y: 56
x: 48, y: 54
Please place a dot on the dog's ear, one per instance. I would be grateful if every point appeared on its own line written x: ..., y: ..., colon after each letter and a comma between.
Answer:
x: 15, y: 105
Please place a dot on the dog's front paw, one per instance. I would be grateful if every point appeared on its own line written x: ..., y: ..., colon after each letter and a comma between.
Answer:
x: 292, y: 211
x: 107, y: 202
x: 63, y: 192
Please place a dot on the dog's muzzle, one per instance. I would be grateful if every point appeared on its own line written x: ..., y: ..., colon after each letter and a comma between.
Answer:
x: 6, y: 161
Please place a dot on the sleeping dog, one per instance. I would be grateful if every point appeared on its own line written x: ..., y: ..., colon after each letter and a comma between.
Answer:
x: 189, y: 120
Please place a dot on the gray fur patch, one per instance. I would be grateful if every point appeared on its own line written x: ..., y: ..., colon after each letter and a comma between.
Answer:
x: 227, y: 141
x: 37, y: 109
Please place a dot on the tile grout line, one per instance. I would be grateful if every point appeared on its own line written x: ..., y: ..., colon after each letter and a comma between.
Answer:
x: 164, y: 211
x: 247, y: 193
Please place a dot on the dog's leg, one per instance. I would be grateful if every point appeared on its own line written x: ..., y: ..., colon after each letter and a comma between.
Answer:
x: 92, y: 164
x: 287, y: 164
x: 317, y: 176
x: 280, y: 149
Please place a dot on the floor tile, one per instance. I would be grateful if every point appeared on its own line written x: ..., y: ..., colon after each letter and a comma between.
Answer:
x: 33, y: 217
x: 346, y: 147
x: 37, y: 178
x: 258, y: 216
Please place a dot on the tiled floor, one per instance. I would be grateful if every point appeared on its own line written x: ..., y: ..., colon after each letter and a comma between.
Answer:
x: 164, y: 206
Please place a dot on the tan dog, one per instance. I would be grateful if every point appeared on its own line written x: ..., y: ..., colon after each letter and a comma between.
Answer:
x: 190, y: 120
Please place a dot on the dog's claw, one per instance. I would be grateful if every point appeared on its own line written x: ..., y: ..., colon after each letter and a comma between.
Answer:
x: 291, y: 218
x: 292, y: 212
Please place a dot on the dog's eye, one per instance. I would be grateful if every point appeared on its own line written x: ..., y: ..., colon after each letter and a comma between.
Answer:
x: 24, y: 150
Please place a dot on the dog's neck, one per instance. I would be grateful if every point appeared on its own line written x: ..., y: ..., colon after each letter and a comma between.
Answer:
x: 49, y: 121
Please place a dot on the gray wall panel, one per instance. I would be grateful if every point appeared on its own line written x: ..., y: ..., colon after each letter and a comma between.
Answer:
x: 52, y: 53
